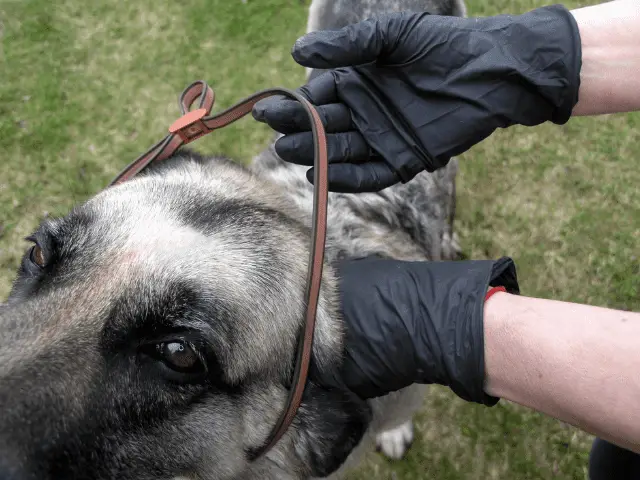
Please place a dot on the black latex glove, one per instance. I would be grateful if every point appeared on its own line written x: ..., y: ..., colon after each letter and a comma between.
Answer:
x: 418, y: 322
x: 420, y: 89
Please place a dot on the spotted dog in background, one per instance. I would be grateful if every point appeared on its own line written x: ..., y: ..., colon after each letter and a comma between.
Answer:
x: 151, y: 333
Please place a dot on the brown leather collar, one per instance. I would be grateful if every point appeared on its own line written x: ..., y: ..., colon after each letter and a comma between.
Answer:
x: 196, y: 123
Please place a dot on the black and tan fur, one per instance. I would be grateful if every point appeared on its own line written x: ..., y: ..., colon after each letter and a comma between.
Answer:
x: 213, y: 254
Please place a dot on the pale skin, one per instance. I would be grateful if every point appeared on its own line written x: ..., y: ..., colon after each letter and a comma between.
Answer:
x: 578, y: 363
x: 610, y: 36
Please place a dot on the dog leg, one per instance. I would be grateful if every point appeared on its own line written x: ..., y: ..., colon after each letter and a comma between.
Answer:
x: 395, y: 443
x: 394, y: 429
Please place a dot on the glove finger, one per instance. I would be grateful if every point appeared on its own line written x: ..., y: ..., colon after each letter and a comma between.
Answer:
x: 288, y: 116
x: 351, y: 45
x: 321, y: 90
x: 352, y: 178
x: 345, y: 147
x: 355, y: 44
x: 266, y: 104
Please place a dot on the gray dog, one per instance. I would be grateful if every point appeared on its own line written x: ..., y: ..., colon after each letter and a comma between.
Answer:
x: 151, y: 332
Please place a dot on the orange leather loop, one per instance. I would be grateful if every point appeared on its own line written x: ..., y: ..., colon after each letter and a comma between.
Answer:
x: 195, y: 90
x: 190, y: 126
x: 193, y: 125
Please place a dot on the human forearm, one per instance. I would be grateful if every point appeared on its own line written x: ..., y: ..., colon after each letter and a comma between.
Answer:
x: 577, y: 363
x: 610, y: 36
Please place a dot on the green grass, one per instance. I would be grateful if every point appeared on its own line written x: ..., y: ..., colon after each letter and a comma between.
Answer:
x: 87, y: 86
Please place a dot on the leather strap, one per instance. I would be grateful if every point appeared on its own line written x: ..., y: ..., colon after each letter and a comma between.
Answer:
x: 193, y: 125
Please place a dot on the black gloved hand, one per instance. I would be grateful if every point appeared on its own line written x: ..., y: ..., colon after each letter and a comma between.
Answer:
x: 418, y: 322
x: 420, y: 89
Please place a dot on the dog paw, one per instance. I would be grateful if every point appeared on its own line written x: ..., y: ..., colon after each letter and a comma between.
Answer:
x: 451, y: 249
x: 395, y: 443
x: 455, y: 244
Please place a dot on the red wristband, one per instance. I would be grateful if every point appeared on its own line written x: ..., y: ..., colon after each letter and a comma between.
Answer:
x: 492, y: 291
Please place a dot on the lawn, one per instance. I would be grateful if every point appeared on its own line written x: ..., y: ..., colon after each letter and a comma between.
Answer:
x: 87, y: 86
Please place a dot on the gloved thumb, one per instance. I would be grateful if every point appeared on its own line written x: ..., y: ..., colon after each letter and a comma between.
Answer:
x: 355, y: 44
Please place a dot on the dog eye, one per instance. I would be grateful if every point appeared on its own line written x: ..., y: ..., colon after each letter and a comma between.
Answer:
x: 37, y: 256
x: 180, y: 356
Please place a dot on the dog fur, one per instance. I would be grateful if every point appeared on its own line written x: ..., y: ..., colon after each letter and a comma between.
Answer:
x: 211, y: 256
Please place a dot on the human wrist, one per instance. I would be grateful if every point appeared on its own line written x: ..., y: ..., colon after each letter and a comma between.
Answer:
x: 497, y: 328
x: 609, y: 33
x: 511, y: 334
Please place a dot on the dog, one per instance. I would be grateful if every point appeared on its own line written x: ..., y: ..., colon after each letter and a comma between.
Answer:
x: 151, y: 332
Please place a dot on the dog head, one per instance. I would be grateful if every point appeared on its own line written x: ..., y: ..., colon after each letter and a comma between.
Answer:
x: 151, y: 333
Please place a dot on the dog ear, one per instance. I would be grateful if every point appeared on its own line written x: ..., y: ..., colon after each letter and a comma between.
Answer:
x: 332, y: 422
